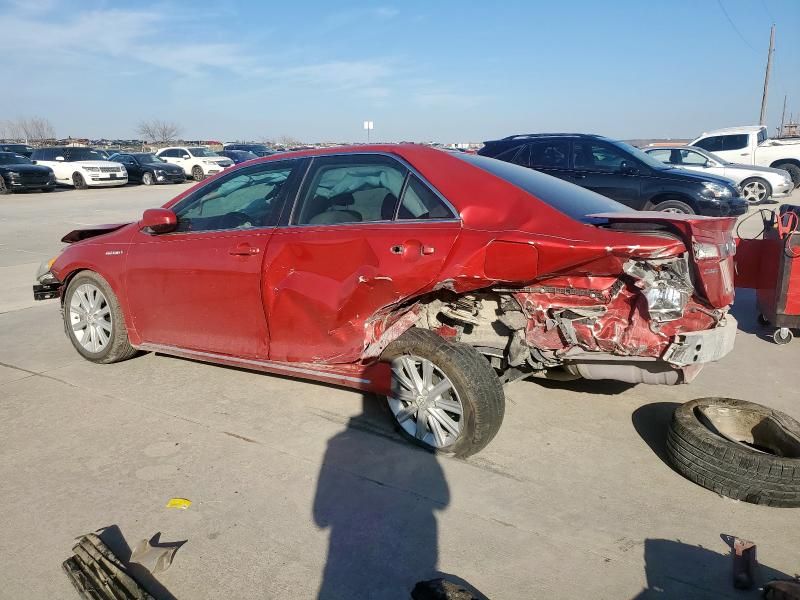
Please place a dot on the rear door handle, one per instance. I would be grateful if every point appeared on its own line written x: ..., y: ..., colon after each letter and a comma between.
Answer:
x: 243, y: 249
x: 578, y: 176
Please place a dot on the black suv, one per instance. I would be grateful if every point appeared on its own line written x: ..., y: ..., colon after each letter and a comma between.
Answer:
x: 621, y: 172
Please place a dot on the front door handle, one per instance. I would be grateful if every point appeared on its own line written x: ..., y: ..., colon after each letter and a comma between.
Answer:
x: 578, y: 176
x: 243, y: 249
x: 411, y: 247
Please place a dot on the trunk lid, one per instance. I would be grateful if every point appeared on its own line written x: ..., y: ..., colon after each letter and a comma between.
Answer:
x: 711, y: 245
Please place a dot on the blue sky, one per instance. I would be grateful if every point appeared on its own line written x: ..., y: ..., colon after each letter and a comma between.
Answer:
x: 445, y: 70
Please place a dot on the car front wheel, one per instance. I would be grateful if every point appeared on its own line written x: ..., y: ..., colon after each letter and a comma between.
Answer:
x: 147, y: 178
x: 79, y: 182
x: 94, y: 321
x: 756, y: 190
x: 444, y: 396
x: 197, y: 173
x: 674, y: 206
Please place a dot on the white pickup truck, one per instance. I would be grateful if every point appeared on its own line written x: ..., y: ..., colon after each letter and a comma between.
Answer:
x: 750, y: 145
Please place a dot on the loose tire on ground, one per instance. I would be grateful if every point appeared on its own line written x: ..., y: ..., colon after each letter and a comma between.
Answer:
x: 675, y: 206
x: 474, y: 385
x: 763, y: 469
x: 118, y: 347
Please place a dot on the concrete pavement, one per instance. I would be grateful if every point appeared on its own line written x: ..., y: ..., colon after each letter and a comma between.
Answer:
x: 299, y: 487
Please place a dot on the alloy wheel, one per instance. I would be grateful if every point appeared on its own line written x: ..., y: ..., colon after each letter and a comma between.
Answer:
x: 147, y: 179
x: 754, y: 192
x: 90, y: 318
x: 425, y: 402
x: 674, y: 210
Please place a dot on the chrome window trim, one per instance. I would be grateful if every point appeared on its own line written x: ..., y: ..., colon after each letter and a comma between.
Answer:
x: 456, y: 215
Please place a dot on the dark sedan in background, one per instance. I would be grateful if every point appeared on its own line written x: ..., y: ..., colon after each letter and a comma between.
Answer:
x: 621, y: 172
x: 19, y: 173
x: 238, y: 156
x: 257, y: 149
x: 149, y: 169
x: 22, y: 149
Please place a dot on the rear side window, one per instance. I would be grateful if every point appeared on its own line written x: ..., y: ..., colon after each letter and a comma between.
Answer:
x: 593, y: 156
x: 419, y: 202
x: 550, y: 154
x: 571, y: 200
x: 734, y: 142
x: 351, y: 189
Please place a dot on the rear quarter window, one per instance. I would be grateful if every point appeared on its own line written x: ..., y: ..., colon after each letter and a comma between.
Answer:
x: 571, y: 200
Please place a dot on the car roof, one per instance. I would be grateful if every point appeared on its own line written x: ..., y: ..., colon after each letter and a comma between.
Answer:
x: 743, y: 129
x: 533, y: 136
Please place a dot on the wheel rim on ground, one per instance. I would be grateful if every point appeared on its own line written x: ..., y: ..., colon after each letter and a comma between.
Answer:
x: 752, y: 429
x: 755, y: 191
x: 425, y: 402
x: 90, y: 317
x: 147, y: 179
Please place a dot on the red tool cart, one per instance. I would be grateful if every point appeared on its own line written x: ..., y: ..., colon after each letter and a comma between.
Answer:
x: 770, y: 264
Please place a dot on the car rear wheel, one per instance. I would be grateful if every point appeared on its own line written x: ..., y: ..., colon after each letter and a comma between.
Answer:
x: 675, y: 206
x: 197, y: 173
x: 444, y: 396
x: 78, y: 181
x: 3, y: 189
x: 94, y: 321
x: 793, y: 170
x: 148, y: 179
x: 756, y: 190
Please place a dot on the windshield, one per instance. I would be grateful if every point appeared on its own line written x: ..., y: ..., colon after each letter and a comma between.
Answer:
x: 572, y: 200
x: 148, y: 158
x: 9, y: 158
x: 651, y: 162
x: 83, y: 154
x: 202, y: 152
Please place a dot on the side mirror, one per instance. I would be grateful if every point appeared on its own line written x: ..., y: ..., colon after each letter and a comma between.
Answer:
x: 159, y: 220
x: 61, y: 158
x: 186, y: 157
x: 627, y: 169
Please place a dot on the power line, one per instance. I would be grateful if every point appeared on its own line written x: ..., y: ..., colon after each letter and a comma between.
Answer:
x: 735, y: 28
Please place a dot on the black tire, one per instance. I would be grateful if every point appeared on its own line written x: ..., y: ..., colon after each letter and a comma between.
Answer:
x: 118, y: 348
x: 78, y: 181
x: 737, y: 470
x: 3, y: 189
x: 675, y: 206
x: 148, y: 178
x: 767, y: 190
x: 474, y: 380
x: 793, y: 170
x: 197, y: 173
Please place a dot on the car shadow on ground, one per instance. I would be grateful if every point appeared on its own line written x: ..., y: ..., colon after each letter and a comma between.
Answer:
x: 678, y: 570
x: 598, y: 387
x: 379, y: 511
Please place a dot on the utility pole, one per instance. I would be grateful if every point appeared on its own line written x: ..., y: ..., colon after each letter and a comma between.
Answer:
x: 783, y: 116
x: 763, y: 117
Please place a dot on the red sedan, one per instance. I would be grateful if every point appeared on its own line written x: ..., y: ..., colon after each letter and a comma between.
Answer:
x: 429, y: 277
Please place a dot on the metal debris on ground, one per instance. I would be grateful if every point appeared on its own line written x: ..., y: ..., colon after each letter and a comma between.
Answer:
x: 154, y: 555
x: 442, y: 589
x: 744, y: 563
x: 98, y: 574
